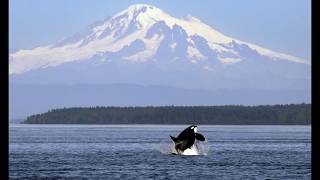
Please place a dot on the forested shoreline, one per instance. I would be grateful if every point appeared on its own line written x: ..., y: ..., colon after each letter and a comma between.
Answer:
x: 291, y: 114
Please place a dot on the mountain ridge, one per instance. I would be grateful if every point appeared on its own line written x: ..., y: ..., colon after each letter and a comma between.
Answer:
x: 138, y: 28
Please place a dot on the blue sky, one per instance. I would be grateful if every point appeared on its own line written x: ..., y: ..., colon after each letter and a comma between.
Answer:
x: 280, y: 25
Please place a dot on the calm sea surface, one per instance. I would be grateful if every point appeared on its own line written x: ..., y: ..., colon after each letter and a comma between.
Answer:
x: 143, y: 152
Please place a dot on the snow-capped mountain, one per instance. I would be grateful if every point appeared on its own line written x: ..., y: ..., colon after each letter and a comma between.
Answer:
x: 144, y: 44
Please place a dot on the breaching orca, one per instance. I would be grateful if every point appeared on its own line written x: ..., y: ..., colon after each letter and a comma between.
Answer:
x: 185, y: 142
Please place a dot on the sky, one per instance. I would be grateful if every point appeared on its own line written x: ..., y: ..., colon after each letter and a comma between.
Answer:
x: 279, y: 25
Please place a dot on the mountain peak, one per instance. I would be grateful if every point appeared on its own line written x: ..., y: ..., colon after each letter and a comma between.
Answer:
x: 143, y: 13
x: 140, y: 6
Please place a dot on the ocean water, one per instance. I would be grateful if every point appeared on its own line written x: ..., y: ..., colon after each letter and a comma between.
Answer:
x: 144, y: 152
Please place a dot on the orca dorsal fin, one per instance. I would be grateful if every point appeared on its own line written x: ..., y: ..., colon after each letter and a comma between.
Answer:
x: 174, y: 139
x: 200, y: 137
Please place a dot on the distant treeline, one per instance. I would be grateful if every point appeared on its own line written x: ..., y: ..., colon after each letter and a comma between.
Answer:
x: 293, y: 114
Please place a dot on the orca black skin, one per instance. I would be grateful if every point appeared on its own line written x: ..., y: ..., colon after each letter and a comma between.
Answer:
x: 187, y: 138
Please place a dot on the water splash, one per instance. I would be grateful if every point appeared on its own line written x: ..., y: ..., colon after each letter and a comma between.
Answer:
x: 165, y: 148
x: 199, y: 148
x: 203, y: 147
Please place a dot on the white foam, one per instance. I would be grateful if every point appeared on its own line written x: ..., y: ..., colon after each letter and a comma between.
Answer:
x: 191, y: 151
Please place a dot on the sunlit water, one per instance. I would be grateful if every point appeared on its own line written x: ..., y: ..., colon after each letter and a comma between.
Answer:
x: 144, y: 152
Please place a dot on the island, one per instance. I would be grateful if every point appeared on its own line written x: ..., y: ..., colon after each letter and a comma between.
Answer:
x: 287, y: 114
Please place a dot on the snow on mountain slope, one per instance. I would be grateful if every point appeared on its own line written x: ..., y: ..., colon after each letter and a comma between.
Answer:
x: 143, y: 33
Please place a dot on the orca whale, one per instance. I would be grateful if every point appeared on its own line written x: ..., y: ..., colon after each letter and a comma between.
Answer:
x: 185, y: 142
